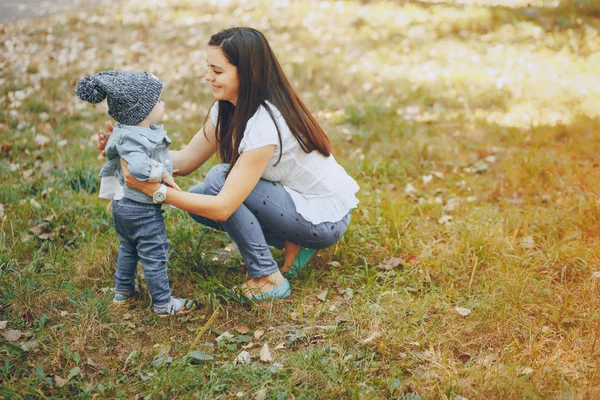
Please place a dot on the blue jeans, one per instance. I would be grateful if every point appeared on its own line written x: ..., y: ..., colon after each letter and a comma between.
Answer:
x: 268, y: 217
x: 142, y: 236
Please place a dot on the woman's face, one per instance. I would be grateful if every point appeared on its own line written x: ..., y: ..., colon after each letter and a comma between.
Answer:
x: 222, y: 75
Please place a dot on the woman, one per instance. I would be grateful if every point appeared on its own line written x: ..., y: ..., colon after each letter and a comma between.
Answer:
x: 278, y: 185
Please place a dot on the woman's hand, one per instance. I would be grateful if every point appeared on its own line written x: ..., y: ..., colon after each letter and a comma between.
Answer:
x: 167, y: 179
x: 103, y: 137
x: 147, y: 187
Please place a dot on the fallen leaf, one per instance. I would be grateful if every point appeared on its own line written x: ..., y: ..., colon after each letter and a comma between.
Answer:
x: 323, y: 295
x: 390, y: 263
x: 1, y: 210
x: 410, y: 189
x: 481, y: 166
x: 64, y: 313
x: 527, y: 242
x: 280, y: 346
x: 261, y: 394
x: 242, y: 358
x: 60, y: 382
x: 596, y: 275
x: 230, y: 247
x: 259, y: 333
x: 224, y: 336
x: 250, y: 345
x: 446, y: 219
x: 265, y: 354
x: 525, y: 371
x: 463, y: 311
x: 32, y: 344
x: 46, y: 236
x: 126, y: 316
x: 489, y: 359
x: 3, y: 324
x: 38, y: 229
x: 373, y: 336
x: 242, y: 328
x: 91, y: 363
x: 41, y: 140
x: 12, y: 335
x: 451, y: 204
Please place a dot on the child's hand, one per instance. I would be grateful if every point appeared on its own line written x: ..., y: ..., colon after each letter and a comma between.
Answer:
x: 168, y: 180
x: 103, y: 137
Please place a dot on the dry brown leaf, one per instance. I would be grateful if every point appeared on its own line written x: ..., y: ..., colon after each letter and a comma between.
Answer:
x: 373, y: 336
x: 12, y: 335
x: 46, y: 236
x: 242, y: 328
x: 230, y: 247
x: 3, y: 324
x: 60, y: 382
x: 261, y: 394
x: 41, y: 140
x: 38, y: 229
x: 259, y: 333
x: 91, y: 363
x: 390, y: 263
x: 265, y: 354
x: 280, y: 346
x: 323, y: 295
x: 463, y: 311
x: 242, y: 358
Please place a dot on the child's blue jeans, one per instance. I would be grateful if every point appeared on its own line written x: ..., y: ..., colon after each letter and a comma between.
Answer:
x: 142, y: 234
x: 268, y: 217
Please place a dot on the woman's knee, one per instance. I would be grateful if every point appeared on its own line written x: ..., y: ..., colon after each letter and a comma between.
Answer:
x: 215, y: 179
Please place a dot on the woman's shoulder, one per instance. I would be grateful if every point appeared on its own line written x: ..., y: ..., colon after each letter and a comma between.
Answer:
x: 266, y: 115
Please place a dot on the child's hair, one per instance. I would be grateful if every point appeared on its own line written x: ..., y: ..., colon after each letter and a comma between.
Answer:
x: 261, y: 79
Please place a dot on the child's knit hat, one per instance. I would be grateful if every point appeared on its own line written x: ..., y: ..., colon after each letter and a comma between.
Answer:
x: 131, y: 96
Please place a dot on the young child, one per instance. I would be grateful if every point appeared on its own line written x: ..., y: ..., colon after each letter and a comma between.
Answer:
x: 134, y: 102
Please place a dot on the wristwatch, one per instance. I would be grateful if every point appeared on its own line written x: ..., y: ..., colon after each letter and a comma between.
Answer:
x: 160, y: 195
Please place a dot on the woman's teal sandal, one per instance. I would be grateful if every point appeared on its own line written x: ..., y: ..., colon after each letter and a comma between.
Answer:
x: 300, y: 261
x: 280, y: 291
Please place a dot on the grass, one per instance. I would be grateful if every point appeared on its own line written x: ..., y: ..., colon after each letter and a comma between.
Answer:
x: 471, y: 129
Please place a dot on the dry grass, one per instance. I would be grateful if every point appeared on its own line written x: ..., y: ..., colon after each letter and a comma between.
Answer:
x: 472, y: 129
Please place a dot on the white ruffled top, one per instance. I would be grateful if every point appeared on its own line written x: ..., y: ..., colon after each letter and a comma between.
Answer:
x: 320, y: 188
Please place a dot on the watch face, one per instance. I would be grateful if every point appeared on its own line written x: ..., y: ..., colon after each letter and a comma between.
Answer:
x: 159, y: 196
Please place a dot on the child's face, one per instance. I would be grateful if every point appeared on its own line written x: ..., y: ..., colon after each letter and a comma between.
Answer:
x: 157, y: 113
x: 222, y: 75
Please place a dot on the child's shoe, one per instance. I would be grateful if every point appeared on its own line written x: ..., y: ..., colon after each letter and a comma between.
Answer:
x: 175, y: 306
x: 122, y: 296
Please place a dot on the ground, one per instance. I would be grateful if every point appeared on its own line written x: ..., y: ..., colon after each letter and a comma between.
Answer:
x: 469, y: 270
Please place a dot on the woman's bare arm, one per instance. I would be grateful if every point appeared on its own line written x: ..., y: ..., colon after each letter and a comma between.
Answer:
x: 202, y: 146
x: 239, y: 184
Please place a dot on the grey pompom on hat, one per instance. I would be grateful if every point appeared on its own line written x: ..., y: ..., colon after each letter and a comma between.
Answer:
x: 131, y: 96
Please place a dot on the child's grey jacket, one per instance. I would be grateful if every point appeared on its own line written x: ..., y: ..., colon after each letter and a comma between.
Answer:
x: 146, y: 152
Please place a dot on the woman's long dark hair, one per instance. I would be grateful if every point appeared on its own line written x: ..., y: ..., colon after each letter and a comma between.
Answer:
x: 261, y: 79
